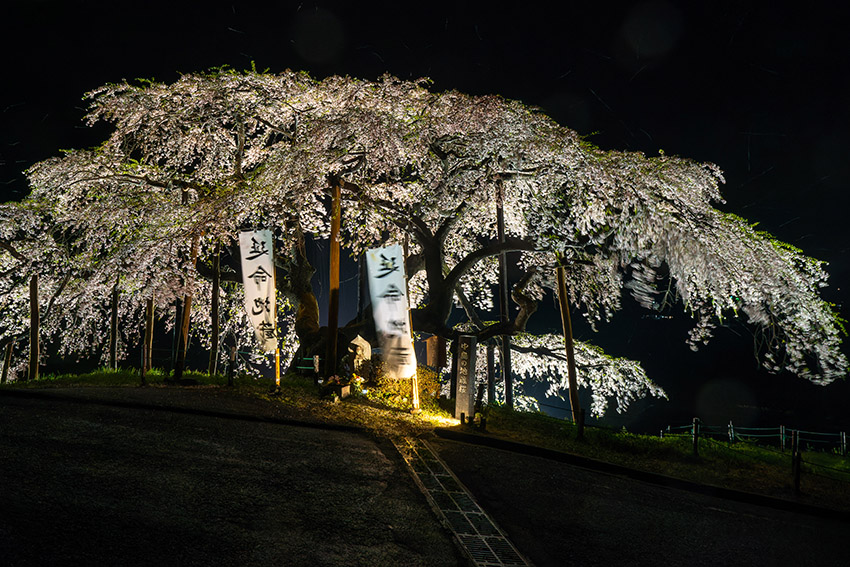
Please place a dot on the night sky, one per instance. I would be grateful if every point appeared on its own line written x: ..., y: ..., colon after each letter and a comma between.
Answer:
x: 757, y: 88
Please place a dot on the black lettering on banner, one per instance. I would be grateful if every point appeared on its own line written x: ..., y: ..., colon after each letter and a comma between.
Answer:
x: 257, y: 249
x: 392, y: 293
x: 267, y: 329
x: 388, y: 266
x: 261, y: 304
x: 260, y: 276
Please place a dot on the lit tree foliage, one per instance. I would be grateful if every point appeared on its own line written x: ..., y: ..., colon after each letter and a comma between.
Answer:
x: 193, y: 162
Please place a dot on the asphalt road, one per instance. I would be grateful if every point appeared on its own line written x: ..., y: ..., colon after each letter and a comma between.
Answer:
x: 562, y: 515
x: 93, y: 485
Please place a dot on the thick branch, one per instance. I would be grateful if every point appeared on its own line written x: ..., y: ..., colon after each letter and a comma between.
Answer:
x: 510, y: 245
x: 469, y: 309
x: 11, y: 250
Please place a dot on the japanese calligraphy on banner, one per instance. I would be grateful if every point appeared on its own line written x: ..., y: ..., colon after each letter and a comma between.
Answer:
x: 388, y: 289
x: 258, y: 278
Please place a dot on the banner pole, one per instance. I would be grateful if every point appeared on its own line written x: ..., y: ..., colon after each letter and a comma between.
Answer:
x: 277, y: 368
x: 415, y: 378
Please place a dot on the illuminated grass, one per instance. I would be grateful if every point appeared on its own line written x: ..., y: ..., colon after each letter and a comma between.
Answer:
x: 742, y: 466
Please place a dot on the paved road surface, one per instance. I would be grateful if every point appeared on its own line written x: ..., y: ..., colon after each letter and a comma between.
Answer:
x: 561, y: 515
x: 91, y: 485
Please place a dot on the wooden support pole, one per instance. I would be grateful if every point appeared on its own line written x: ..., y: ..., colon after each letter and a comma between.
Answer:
x: 183, y: 337
x: 491, y: 373
x: 214, y: 316
x: 7, y: 361
x: 231, y: 370
x: 503, y: 305
x: 113, y: 329
x: 333, y: 298
x: 34, y: 329
x: 414, y: 386
x: 183, y: 345
x: 149, y: 320
x: 277, y: 371
x: 566, y: 324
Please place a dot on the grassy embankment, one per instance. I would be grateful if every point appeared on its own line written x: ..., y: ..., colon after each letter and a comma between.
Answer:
x: 742, y: 466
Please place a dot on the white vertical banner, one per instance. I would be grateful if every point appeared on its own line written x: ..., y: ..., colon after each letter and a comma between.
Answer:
x: 256, y: 250
x: 388, y: 289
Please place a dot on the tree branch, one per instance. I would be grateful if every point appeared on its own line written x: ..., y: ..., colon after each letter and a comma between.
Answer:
x: 510, y: 245
x: 11, y: 250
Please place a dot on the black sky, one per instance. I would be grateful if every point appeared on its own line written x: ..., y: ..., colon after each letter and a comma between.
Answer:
x: 759, y: 87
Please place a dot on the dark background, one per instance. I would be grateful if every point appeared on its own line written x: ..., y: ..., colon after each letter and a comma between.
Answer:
x: 758, y: 87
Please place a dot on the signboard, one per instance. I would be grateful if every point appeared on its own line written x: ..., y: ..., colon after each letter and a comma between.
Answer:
x: 465, y: 395
x: 388, y: 289
x: 257, y: 254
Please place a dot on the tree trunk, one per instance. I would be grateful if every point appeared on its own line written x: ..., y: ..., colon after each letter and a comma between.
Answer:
x: 34, y: 328
x: 113, y: 329
x: 216, y: 285
x: 333, y: 299
x: 563, y: 301
x: 7, y: 360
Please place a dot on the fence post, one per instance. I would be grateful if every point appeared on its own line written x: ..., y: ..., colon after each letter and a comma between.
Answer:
x: 796, y: 460
x: 695, y: 435
x: 782, y: 438
x: 843, y: 444
x: 793, y: 441
x: 731, y: 433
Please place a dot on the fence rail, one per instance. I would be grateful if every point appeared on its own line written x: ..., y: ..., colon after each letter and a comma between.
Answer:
x: 782, y: 435
x: 795, y: 439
